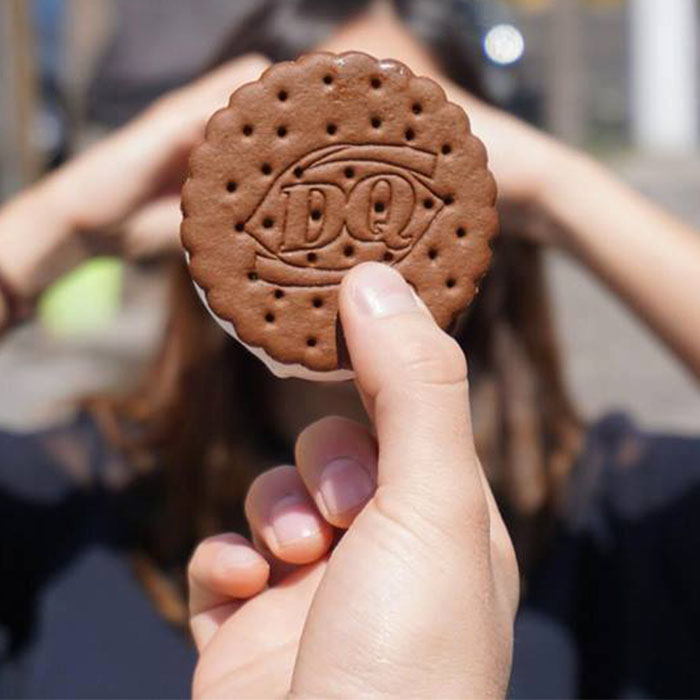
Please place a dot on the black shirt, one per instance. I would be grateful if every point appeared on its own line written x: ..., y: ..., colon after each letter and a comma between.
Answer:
x: 613, y: 611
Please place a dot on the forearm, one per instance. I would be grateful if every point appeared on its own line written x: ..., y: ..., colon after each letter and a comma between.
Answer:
x: 52, y: 226
x: 648, y: 257
x: 38, y: 242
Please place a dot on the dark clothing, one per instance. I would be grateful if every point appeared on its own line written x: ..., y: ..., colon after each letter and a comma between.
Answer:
x: 74, y: 621
x: 614, y: 609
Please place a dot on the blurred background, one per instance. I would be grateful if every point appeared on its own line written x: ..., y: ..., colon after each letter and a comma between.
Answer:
x: 618, y: 78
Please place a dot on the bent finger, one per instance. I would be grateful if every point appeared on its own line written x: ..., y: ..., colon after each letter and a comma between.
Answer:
x: 223, y: 571
x: 283, y: 516
x: 337, y: 460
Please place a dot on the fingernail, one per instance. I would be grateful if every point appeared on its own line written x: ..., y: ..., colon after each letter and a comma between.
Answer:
x: 291, y: 521
x: 344, y: 485
x: 380, y: 291
x: 234, y: 557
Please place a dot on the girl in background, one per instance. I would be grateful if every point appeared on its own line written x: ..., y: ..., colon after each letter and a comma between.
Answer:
x: 138, y: 480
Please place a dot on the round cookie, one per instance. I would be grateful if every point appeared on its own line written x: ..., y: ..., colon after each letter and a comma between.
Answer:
x: 321, y: 164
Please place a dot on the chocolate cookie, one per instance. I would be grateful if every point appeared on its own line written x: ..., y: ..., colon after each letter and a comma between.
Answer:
x: 321, y: 164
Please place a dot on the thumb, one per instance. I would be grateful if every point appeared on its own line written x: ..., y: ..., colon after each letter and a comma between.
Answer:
x: 413, y: 378
x: 408, y: 605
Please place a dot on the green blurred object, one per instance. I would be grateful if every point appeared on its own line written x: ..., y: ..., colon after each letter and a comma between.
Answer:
x: 85, y: 300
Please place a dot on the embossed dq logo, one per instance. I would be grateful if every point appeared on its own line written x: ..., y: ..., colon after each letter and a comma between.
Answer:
x: 341, y: 205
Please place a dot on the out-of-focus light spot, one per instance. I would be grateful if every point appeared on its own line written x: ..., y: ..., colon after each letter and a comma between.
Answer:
x: 504, y: 44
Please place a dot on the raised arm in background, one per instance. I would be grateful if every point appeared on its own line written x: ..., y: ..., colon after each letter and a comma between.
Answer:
x: 122, y: 195
x: 646, y: 256
x: 649, y: 258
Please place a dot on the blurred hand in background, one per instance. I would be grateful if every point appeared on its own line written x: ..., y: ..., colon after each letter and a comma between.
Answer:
x: 121, y: 195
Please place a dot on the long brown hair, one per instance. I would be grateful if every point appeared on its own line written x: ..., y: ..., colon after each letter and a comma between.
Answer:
x: 202, y: 418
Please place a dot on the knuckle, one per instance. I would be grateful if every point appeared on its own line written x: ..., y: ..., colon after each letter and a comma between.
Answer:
x: 324, y: 424
x: 434, y: 358
x: 252, y: 498
x: 452, y: 518
x: 405, y: 522
x: 262, y: 482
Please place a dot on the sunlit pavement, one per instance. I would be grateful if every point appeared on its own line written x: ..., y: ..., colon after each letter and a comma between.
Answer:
x: 612, y: 361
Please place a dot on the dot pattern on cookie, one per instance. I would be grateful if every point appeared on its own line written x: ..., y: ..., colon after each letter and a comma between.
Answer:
x: 321, y: 164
